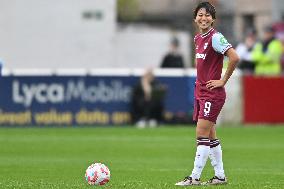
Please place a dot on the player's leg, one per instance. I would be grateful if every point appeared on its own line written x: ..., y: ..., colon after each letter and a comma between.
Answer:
x: 215, y: 156
x: 203, y: 146
x: 209, y: 110
x: 202, y: 152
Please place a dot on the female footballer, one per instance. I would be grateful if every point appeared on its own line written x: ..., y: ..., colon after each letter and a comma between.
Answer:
x: 211, y: 47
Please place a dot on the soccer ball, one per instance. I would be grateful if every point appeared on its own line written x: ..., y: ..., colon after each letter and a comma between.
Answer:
x: 97, y: 174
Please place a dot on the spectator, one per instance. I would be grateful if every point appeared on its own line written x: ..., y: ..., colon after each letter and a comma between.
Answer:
x: 282, y: 56
x: 147, y: 102
x: 267, y: 54
x: 173, y: 58
x: 282, y: 61
x: 244, y: 50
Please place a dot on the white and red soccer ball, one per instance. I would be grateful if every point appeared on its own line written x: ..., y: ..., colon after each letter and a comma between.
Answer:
x: 97, y: 174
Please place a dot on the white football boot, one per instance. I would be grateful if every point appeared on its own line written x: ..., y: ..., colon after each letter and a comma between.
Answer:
x: 188, y: 181
x: 216, y: 181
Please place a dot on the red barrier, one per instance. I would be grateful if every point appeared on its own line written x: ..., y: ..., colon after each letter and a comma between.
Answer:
x: 263, y: 99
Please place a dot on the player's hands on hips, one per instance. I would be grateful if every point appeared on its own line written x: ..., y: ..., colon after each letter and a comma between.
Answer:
x: 212, y: 84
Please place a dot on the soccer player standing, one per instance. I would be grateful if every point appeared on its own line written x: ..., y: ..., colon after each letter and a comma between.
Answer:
x: 211, y: 47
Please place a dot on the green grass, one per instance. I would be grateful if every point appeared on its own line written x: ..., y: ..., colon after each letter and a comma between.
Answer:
x: 149, y: 158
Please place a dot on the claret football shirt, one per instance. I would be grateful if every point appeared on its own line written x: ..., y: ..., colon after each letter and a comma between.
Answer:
x: 210, y: 49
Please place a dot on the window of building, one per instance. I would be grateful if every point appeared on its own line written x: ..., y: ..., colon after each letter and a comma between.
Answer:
x: 248, y: 21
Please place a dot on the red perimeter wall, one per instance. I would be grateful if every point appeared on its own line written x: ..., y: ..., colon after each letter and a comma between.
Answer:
x: 263, y: 99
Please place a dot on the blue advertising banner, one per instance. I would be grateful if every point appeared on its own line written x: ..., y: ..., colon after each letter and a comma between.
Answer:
x: 81, y: 100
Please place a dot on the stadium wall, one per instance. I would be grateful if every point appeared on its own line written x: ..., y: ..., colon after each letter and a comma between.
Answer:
x: 232, y: 112
x: 101, y: 96
x: 263, y: 99
x: 78, y: 97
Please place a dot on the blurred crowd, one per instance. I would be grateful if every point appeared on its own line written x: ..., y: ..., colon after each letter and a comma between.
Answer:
x: 261, y: 55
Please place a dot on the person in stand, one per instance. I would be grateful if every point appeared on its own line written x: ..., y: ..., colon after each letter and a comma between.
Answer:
x: 267, y: 54
x: 147, y: 101
x: 244, y: 50
x: 211, y: 47
x: 173, y: 58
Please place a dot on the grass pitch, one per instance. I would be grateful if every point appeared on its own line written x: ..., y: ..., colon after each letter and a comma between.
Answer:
x: 149, y: 158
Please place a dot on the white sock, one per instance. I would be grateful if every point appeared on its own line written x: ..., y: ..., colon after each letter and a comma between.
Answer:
x: 215, y: 156
x: 202, y: 153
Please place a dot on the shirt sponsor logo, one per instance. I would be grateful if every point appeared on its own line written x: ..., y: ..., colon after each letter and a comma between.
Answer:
x: 200, y: 55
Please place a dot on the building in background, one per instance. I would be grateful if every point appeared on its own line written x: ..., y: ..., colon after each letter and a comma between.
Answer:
x: 115, y: 33
x: 69, y: 34
x: 235, y: 15
x: 53, y: 34
x: 258, y: 14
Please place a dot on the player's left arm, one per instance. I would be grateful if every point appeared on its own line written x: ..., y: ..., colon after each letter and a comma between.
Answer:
x: 233, y: 60
x: 221, y: 45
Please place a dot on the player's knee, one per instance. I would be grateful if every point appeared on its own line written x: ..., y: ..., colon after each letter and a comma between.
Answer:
x: 202, y: 132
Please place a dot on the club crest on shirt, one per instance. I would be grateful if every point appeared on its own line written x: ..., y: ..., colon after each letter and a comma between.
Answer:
x: 205, y: 45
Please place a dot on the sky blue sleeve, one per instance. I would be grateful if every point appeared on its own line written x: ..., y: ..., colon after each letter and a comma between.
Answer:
x: 220, y: 43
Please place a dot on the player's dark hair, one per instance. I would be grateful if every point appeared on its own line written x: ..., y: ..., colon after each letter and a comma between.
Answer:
x: 208, y: 7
